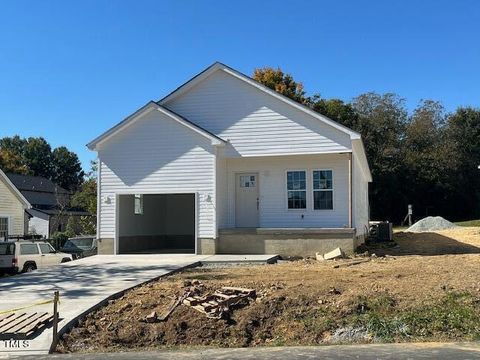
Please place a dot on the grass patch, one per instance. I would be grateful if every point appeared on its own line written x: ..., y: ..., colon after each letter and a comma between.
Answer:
x: 455, y: 316
x: 469, y: 223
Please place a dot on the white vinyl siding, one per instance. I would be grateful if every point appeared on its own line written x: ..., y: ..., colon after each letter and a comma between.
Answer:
x: 273, y: 200
x: 221, y: 190
x: 12, y: 208
x: 157, y: 155
x: 255, y: 123
x: 360, y: 193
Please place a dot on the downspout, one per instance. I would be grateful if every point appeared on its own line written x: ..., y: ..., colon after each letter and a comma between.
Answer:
x: 214, y: 199
x: 99, y: 195
x: 350, y: 190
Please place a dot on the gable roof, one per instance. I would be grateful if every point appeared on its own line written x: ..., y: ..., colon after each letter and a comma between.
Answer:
x: 218, y: 66
x: 14, y: 189
x: 151, y: 106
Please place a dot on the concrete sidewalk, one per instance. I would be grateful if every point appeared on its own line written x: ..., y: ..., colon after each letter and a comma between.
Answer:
x: 424, y: 351
x: 85, y: 283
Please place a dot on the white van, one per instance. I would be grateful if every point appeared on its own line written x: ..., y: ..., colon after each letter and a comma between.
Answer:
x: 26, y: 256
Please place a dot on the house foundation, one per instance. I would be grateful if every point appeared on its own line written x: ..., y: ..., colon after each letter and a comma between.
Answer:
x: 285, y: 242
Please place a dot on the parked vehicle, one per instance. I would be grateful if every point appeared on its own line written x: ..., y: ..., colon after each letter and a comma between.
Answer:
x: 26, y: 256
x: 80, y: 246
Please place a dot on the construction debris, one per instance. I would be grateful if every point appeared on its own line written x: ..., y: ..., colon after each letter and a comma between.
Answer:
x: 332, y: 255
x: 152, y: 317
x: 23, y: 325
x: 219, y: 304
x: 176, y: 302
x: 350, y: 263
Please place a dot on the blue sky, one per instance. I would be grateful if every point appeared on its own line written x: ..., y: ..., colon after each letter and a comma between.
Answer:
x: 71, y: 69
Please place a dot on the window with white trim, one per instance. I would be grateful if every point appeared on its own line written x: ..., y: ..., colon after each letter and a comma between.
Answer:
x: 322, y: 190
x: 297, y: 189
x: 3, y: 227
x: 138, y: 204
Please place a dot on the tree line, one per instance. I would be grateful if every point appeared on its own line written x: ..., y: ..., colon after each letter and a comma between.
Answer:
x: 428, y: 158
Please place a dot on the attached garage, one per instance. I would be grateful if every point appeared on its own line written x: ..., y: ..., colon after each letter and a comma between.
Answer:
x: 156, y: 223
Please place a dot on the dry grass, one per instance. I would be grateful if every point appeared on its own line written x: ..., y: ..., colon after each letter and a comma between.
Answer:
x: 395, y: 298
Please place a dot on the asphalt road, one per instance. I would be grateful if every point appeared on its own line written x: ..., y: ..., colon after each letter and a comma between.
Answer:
x: 423, y: 351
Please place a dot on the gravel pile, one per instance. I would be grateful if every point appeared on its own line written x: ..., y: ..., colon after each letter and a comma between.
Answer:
x: 431, y: 223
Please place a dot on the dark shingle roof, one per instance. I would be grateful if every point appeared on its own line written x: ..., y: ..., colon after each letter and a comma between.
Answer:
x: 34, y: 183
x: 40, y: 192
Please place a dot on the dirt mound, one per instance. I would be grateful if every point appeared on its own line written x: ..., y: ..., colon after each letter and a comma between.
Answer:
x: 431, y: 223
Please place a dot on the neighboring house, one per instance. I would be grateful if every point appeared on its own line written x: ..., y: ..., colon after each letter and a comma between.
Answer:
x: 224, y: 164
x: 45, y: 206
x: 13, y: 206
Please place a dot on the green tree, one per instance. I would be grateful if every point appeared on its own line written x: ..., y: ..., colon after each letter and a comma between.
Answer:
x: 423, y: 140
x: 86, y: 199
x: 428, y: 158
x: 282, y: 83
x: 14, y: 144
x: 335, y: 109
x: 463, y: 134
x: 12, y: 162
x: 37, y: 155
x: 66, y: 168
x: 382, y: 121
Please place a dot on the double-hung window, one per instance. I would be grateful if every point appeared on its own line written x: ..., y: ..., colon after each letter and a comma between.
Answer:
x: 322, y: 190
x: 297, y: 189
x: 3, y: 228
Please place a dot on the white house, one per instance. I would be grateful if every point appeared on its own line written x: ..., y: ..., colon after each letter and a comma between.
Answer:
x: 224, y: 164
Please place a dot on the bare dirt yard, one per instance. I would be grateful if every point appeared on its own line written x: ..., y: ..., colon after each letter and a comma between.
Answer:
x: 425, y: 288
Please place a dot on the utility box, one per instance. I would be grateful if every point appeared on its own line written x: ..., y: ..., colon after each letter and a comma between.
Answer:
x: 385, y: 231
x: 381, y: 231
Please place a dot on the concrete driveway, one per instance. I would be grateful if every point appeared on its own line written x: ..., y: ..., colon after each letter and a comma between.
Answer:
x: 82, y: 285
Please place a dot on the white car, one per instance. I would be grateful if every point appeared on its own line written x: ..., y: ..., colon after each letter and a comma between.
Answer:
x: 26, y: 256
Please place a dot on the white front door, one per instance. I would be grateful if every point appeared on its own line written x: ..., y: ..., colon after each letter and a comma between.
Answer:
x: 246, y: 200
